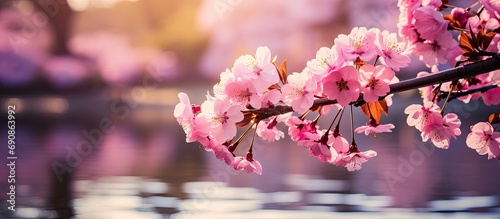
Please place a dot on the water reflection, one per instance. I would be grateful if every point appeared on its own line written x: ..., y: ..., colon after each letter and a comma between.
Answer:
x: 145, y: 170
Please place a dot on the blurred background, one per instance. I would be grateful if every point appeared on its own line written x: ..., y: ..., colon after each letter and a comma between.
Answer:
x: 95, y: 83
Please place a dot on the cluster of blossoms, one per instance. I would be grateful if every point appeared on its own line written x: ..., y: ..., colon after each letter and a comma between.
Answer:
x: 258, y: 94
x: 425, y: 26
x: 428, y: 30
x: 338, y: 73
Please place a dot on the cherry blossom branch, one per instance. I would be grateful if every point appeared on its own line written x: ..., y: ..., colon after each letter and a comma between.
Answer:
x: 466, y: 71
x: 455, y: 95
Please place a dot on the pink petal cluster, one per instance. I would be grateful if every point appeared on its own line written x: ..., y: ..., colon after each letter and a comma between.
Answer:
x: 221, y: 116
x: 299, y: 91
x: 440, y: 132
x: 195, y: 126
x: 392, y: 53
x: 355, y: 158
x: 422, y: 24
x: 360, y: 43
x: 299, y: 129
x: 375, y: 81
x: 258, y: 69
x: 373, y: 128
x: 484, y: 140
x: 268, y: 131
x: 248, y: 164
x: 334, y: 69
x: 326, y: 146
x: 491, y: 5
x: 342, y: 85
x: 432, y: 125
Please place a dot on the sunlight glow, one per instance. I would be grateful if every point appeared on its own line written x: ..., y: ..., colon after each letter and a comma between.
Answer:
x: 82, y: 5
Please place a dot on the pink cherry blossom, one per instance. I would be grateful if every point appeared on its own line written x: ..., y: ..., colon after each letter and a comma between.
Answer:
x: 339, y: 143
x: 373, y: 128
x: 375, y: 81
x: 270, y: 98
x: 358, y: 44
x: 421, y: 116
x: 354, y: 158
x: 460, y: 15
x: 317, y: 145
x: 225, y: 78
x: 491, y: 5
x: 221, y: 152
x: 298, y: 129
x: 243, y: 93
x: 342, y: 85
x: 409, y: 34
x: 433, y: 3
x: 339, y: 146
x: 247, y: 164
x: 197, y: 130
x: 222, y: 117
x: 392, y: 53
x: 484, y: 140
x: 494, y: 76
x: 427, y: 92
x: 299, y: 91
x: 409, y: 5
x: 429, y: 23
x: 437, y: 51
x: 491, y: 97
x: 195, y: 127
x: 327, y: 59
x: 258, y: 69
x: 183, y: 111
x: 440, y: 132
x: 268, y: 131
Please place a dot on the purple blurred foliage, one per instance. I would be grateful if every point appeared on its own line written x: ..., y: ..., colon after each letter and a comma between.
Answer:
x: 24, y: 44
x: 65, y: 71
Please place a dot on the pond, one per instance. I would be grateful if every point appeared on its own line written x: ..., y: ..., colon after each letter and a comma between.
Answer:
x: 139, y: 166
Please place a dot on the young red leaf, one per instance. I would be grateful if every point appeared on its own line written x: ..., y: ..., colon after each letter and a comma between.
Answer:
x: 494, y: 118
x: 283, y: 72
x: 485, y: 39
x: 465, y: 44
x: 374, y: 110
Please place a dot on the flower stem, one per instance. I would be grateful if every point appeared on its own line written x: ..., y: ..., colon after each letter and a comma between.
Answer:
x: 253, y: 138
x: 303, y: 116
x: 352, y: 126
x: 243, y: 135
x: 333, y: 121
x: 452, y: 87
x: 376, y: 60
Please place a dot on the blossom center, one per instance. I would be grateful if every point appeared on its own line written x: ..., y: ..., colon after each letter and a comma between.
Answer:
x: 358, y: 41
x: 221, y: 119
x: 372, y: 83
x: 342, y: 84
x: 244, y: 94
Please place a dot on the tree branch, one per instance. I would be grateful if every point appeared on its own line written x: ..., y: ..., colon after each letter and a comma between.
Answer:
x: 466, y: 71
x: 455, y: 95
